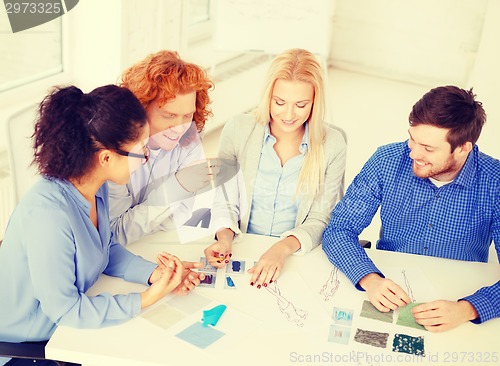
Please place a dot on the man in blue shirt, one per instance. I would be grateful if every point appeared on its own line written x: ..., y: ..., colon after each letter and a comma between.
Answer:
x: 438, y: 196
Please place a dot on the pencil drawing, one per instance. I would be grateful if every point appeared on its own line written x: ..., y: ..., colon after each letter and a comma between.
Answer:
x: 292, y: 314
x: 408, y: 287
x: 331, y: 285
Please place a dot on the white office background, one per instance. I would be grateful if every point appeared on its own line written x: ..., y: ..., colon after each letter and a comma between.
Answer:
x: 384, y: 54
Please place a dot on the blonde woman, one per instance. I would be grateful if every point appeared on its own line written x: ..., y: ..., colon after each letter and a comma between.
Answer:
x: 292, y: 164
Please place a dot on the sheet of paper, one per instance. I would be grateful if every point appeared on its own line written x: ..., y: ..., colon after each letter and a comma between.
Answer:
x: 287, y: 302
x: 414, y: 281
x: 344, y: 303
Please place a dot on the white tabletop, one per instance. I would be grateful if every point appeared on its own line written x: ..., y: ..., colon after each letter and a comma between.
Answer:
x: 272, y: 342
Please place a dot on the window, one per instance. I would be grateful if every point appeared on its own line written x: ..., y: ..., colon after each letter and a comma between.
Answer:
x: 198, y: 40
x: 200, y: 17
x: 29, y: 55
x: 200, y: 11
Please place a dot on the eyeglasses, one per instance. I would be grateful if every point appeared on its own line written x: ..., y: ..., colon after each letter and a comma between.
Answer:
x: 144, y: 156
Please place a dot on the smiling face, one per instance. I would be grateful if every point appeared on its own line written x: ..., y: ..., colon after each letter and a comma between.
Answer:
x: 291, y: 105
x: 430, y: 152
x: 168, y: 123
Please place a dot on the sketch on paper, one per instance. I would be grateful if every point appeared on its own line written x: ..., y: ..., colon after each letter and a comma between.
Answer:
x: 414, y: 281
x: 331, y: 285
x: 292, y: 314
x: 409, y: 291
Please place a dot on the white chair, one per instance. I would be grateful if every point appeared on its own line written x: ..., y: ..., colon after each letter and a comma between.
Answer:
x: 19, y: 128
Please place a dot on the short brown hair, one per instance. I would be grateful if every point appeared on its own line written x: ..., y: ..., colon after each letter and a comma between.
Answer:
x: 452, y: 108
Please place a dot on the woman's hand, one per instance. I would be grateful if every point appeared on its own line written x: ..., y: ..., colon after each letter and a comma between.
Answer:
x: 158, y: 272
x: 219, y: 253
x: 190, y: 278
x: 270, y: 264
x: 165, y: 280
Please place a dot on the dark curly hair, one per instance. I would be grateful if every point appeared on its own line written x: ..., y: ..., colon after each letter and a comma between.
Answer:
x: 163, y: 75
x: 73, y: 126
x: 452, y: 108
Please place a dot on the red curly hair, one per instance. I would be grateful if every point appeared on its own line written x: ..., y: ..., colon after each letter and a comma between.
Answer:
x: 163, y: 75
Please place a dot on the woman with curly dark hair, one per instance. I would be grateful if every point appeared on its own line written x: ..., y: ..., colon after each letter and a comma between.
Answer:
x: 175, y: 96
x: 81, y: 141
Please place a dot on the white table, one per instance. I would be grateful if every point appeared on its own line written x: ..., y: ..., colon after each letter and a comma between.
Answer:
x: 138, y: 342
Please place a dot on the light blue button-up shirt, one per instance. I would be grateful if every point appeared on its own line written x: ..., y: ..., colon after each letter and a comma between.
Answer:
x: 274, y: 202
x: 51, y: 255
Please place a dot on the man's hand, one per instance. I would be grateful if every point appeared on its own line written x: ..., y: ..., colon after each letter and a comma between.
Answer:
x: 383, y: 293
x: 442, y: 315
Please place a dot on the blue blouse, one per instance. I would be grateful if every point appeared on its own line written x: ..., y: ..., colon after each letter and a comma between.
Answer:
x: 274, y: 204
x: 52, y: 254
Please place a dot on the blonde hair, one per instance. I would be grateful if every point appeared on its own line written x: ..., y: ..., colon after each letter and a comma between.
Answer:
x: 301, y: 65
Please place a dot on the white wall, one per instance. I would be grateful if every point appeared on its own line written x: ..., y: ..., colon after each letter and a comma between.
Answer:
x: 108, y: 36
x: 420, y: 41
x: 485, y: 79
x: 427, y: 43
x: 96, y: 46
